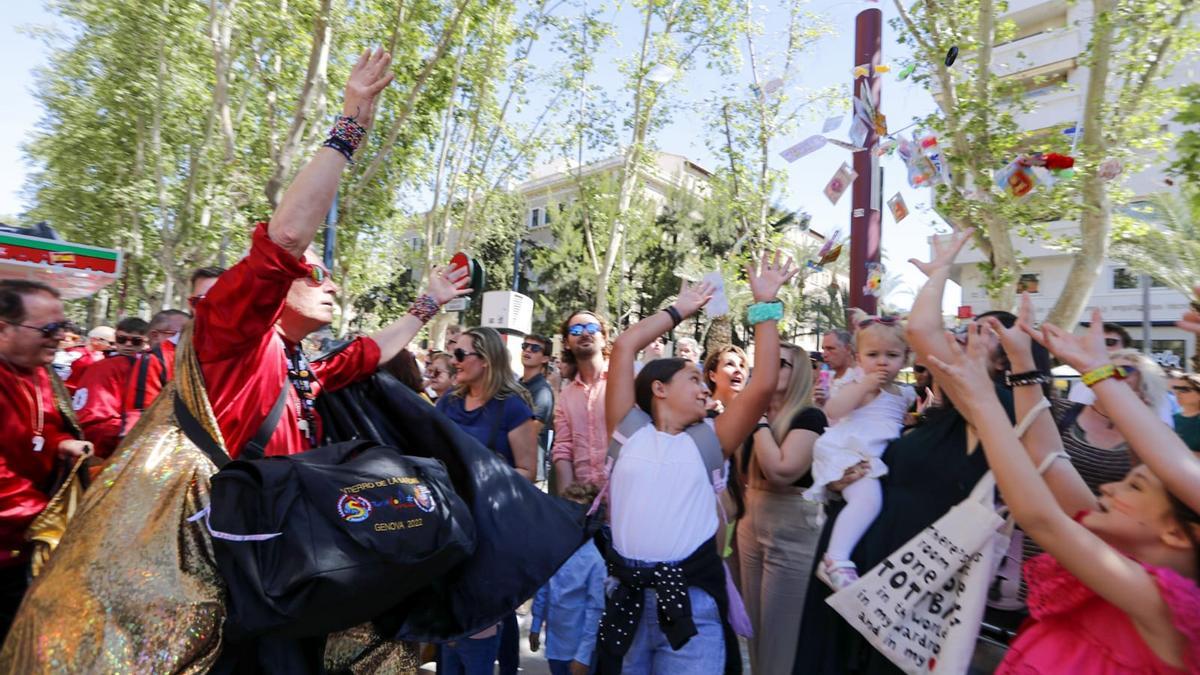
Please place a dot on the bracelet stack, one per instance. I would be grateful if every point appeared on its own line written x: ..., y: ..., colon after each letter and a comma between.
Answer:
x: 345, y: 136
x: 425, y: 308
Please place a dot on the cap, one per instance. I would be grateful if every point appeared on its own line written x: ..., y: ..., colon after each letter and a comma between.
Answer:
x: 105, y: 333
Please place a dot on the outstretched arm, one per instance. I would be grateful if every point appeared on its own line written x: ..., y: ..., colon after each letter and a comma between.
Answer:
x: 1110, y: 574
x: 737, y: 422
x: 308, y: 198
x: 619, y: 397
x: 1153, y: 442
x: 924, y: 327
x: 444, y: 285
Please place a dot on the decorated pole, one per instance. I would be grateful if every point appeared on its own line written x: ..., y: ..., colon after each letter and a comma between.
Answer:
x: 865, y: 217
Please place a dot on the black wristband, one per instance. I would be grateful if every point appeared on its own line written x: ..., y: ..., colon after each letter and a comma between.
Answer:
x: 1025, y: 379
x: 674, y: 314
x: 343, y: 148
x: 762, y: 425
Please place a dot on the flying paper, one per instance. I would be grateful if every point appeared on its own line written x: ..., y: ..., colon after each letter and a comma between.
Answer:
x: 898, y: 207
x: 848, y: 146
x: 858, y: 132
x: 804, y: 147
x: 771, y: 86
x: 840, y: 181
x: 660, y: 73
x: 874, y: 284
x: 718, y: 305
x: 831, y: 124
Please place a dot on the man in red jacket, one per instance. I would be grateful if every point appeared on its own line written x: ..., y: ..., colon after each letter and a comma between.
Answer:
x: 249, y: 325
x: 97, y: 400
x: 36, y: 430
x: 154, y: 367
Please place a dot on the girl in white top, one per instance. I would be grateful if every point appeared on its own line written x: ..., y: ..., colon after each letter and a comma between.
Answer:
x: 663, y: 508
x: 870, y: 412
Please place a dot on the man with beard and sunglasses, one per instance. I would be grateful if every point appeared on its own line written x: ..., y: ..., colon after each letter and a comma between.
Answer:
x: 38, y: 429
x: 580, y: 435
x: 97, y: 400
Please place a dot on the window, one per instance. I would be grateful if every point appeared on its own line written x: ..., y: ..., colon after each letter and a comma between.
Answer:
x: 546, y: 218
x: 1028, y: 283
x: 534, y: 218
x: 1126, y: 279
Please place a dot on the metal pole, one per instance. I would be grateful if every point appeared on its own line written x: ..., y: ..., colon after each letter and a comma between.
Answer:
x: 1144, y: 283
x: 864, y: 205
x: 331, y: 220
x: 516, y: 284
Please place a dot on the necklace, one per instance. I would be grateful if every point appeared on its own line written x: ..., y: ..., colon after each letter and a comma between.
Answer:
x: 301, y: 378
x: 37, y: 413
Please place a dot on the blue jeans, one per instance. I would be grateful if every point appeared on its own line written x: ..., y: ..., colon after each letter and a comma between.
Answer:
x: 704, y: 654
x: 470, y: 657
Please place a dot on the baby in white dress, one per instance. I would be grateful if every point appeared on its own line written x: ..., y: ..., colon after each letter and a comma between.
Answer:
x: 870, y: 411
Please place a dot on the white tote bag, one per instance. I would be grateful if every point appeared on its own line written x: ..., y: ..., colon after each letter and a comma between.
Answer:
x: 922, y: 606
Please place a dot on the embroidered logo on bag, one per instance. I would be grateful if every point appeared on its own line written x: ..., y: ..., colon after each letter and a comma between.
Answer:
x: 353, y: 508
x: 423, y: 498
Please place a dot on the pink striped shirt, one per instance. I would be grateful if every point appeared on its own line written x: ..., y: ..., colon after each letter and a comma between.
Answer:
x: 580, y: 431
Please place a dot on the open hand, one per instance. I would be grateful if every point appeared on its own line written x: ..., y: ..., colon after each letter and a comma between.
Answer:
x: 369, y: 77
x: 966, y: 376
x: 1084, y: 352
x: 1016, y: 341
x: 769, y: 275
x: 448, y: 284
x: 693, y: 296
x: 945, y: 250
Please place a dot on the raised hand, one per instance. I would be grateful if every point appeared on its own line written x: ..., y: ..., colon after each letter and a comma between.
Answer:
x: 693, y: 296
x: 769, y: 275
x: 1084, y: 352
x: 945, y: 250
x: 448, y: 284
x: 1016, y: 341
x: 965, y: 377
x: 369, y: 77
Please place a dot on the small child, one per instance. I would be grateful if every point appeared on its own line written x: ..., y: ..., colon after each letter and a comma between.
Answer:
x: 870, y: 411
x: 570, y: 604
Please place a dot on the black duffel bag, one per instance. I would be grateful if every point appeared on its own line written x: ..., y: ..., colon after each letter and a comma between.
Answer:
x: 320, y: 541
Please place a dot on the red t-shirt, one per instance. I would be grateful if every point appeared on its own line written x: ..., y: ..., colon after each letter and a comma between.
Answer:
x: 242, y: 355
x: 152, y: 385
x: 25, y: 470
x: 97, y: 402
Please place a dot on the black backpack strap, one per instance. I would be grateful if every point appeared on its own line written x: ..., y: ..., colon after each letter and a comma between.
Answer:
x: 1067, y: 420
x: 139, y: 394
x: 162, y: 365
x: 196, y: 433
x: 257, y: 447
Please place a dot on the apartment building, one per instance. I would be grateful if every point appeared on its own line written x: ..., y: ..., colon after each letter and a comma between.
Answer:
x: 1051, y: 35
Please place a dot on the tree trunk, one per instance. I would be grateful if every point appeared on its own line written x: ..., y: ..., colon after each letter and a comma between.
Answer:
x: 1095, y: 219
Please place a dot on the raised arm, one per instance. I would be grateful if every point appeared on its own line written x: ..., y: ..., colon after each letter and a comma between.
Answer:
x: 736, y: 424
x: 924, y: 327
x: 294, y: 223
x: 619, y: 396
x: 1115, y: 577
x: 443, y: 286
x: 1153, y: 442
x: 1042, y: 438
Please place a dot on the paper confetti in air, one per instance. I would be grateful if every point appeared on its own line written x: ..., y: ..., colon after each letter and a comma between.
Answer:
x: 660, y: 73
x: 804, y: 147
x: 841, y: 180
x: 832, y: 123
x: 898, y: 207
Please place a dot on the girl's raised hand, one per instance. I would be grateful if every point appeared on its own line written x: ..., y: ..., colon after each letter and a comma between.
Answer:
x: 693, y: 296
x: 944, y: 252
x: 1084, y: 352
x: 769, y: 275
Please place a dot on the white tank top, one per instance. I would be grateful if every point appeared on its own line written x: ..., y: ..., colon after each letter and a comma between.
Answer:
x: 663, y: 505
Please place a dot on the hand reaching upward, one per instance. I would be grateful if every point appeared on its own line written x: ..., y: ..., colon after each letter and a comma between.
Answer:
x: 369, y: 77
x: 945, y: 250
x: 769, y: 275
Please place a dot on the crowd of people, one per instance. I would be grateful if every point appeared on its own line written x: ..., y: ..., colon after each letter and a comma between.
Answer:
x: 737, y: 488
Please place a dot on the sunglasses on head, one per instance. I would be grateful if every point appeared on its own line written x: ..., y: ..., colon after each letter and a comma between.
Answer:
x: 49, y: 330
x: 882, y: 320
x: 461, y: 354
x: 532, y: 347
x: 580, y: 328
x: 135, y: 340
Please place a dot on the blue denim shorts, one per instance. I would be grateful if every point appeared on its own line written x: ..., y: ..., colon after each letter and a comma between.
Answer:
x: 651, y: 653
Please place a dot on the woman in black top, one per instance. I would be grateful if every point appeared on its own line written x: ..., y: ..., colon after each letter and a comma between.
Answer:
x: 777, y: 537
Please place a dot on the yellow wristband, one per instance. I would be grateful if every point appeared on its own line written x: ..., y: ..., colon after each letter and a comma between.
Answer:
x: 1102, y: 373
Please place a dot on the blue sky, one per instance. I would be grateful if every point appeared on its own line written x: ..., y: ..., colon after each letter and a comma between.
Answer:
x: 828, y: 64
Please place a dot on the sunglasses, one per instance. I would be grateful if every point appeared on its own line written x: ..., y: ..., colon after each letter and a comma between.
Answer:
x: 1185, y: 390
x: 920, y: 370
x: 317, y: 275
x: 49, y: 330
x: 461, y: 355
x: 1112, y: 342
x: 135, y: 340
x: 532, y: 347
x: 882, y: 320
x: 580, y: 328
x: 784, y: 363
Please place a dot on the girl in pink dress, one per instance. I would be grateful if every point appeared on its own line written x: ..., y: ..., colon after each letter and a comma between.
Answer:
x: 1116, y: 590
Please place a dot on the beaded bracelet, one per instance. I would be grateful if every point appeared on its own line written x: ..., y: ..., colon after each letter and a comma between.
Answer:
x: 345, y: 136
x: 425, y: 308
